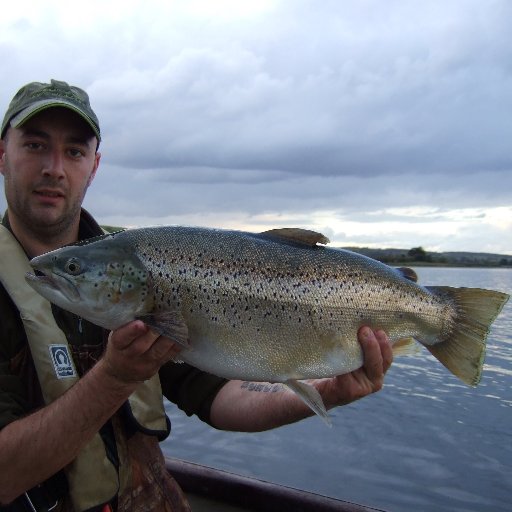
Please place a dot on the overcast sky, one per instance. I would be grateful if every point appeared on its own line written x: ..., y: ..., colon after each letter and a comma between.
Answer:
x: 378, y: 123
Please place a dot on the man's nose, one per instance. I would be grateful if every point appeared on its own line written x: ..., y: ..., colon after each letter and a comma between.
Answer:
x: 54, y: 164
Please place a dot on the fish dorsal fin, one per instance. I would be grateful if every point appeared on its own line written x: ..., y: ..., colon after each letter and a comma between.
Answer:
x: 298, y: 235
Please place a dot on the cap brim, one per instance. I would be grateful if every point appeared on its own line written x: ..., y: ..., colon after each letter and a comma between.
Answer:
x: 39, y: 106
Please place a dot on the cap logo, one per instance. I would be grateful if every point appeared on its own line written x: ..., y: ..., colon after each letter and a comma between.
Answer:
x: 59, y: 94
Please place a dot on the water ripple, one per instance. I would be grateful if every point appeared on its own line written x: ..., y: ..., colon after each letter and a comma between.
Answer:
x: 426, y: 442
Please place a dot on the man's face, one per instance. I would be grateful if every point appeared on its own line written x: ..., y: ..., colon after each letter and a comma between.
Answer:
x: 47, y: 165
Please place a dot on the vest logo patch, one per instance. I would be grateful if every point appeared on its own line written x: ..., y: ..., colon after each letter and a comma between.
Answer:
x: 62, y: 362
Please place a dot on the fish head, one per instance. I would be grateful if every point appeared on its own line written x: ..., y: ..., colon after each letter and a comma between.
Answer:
x: 101, y: 281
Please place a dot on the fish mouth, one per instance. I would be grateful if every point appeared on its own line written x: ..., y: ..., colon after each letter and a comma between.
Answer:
x: 52, y: 285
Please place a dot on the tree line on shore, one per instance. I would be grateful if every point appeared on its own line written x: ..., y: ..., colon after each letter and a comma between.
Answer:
x: 419, y: 256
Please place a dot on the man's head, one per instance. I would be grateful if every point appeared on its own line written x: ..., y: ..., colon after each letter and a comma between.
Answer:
x: 36, y: 97
x: 48, y: 158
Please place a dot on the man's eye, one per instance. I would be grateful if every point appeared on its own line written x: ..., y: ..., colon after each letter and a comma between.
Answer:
x: 76, y: 153
x: 34, y: 145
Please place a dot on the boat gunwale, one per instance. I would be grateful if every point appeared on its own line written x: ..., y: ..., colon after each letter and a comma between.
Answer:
x: 252, y: 493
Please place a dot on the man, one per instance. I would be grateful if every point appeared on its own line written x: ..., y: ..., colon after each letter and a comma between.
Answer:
x: 87, y: 445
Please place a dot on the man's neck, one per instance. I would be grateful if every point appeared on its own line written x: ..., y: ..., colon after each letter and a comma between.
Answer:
x: 36, y: 243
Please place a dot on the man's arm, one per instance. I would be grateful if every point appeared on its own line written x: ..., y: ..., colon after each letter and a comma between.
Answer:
x: 256, y: 407
x: 35, y: 447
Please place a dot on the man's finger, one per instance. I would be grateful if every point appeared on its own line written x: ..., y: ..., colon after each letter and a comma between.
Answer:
x: 124, y: 336
x: 385, y: 348
x: 164, y: 350
x: 372, y: 356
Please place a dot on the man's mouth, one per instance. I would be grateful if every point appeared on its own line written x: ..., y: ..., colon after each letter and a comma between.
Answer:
x: 49, y: 193
x: 49, y: 197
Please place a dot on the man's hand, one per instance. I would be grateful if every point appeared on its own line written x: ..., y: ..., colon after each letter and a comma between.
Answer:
x: 135, y: 353
x: 237, y: 407
x: 377, y: 358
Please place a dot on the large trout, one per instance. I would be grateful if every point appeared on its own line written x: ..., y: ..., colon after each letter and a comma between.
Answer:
x: 274, y: 306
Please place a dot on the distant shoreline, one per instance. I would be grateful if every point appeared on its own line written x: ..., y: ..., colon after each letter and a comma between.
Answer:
x: 418, y: 257
x: 453, y: 265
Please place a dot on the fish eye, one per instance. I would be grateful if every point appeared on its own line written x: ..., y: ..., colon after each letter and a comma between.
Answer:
x: 72, y: 267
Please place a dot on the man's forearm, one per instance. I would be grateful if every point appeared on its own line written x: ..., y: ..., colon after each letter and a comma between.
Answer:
x: 256, y: 406
x: 35, y: 447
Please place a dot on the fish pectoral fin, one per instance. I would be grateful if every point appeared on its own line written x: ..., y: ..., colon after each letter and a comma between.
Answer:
x: 406, y: 347
x: 298, y: 235
x: 169, y: 324
x: 311, y: 397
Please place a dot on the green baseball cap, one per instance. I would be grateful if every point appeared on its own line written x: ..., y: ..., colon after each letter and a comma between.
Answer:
x: 36, y: 96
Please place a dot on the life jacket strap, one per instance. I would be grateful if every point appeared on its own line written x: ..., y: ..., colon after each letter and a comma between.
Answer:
x: 92, y: 478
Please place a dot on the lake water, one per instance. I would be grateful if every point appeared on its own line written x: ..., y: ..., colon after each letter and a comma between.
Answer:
x: 425, y: 443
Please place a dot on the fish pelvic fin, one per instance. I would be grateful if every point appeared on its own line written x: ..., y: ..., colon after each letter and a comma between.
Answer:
x: 169, y: 324
x: 464, y: 352
x: 311, y: 397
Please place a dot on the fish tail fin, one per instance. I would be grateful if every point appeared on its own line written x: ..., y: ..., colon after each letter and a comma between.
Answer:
x: 463, y: 352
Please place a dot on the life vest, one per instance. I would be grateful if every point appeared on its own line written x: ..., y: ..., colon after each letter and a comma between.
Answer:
x: 93, y: 479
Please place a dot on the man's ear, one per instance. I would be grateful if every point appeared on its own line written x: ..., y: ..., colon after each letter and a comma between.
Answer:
x: 2, y: 156
x: 97, y: 159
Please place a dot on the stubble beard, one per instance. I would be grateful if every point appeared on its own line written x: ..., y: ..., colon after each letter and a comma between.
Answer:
x: 44, y: 226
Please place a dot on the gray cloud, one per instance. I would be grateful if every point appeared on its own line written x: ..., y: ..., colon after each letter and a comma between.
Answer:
x: 300, y: 107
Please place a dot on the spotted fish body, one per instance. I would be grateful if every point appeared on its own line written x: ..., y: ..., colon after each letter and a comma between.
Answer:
x: 274, y: 306
x: 258, y: 296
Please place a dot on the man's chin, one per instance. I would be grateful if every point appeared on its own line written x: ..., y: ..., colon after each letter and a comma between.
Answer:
x: 47, y: 220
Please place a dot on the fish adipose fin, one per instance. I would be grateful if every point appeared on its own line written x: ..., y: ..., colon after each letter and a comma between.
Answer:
x: 463, y: 352
x: 408, y: 273
x: 169, y: 324
x: 311, y: 397
x: 298, y: 235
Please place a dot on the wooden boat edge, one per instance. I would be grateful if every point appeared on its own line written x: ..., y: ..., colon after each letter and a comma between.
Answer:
x: 250, y: 493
